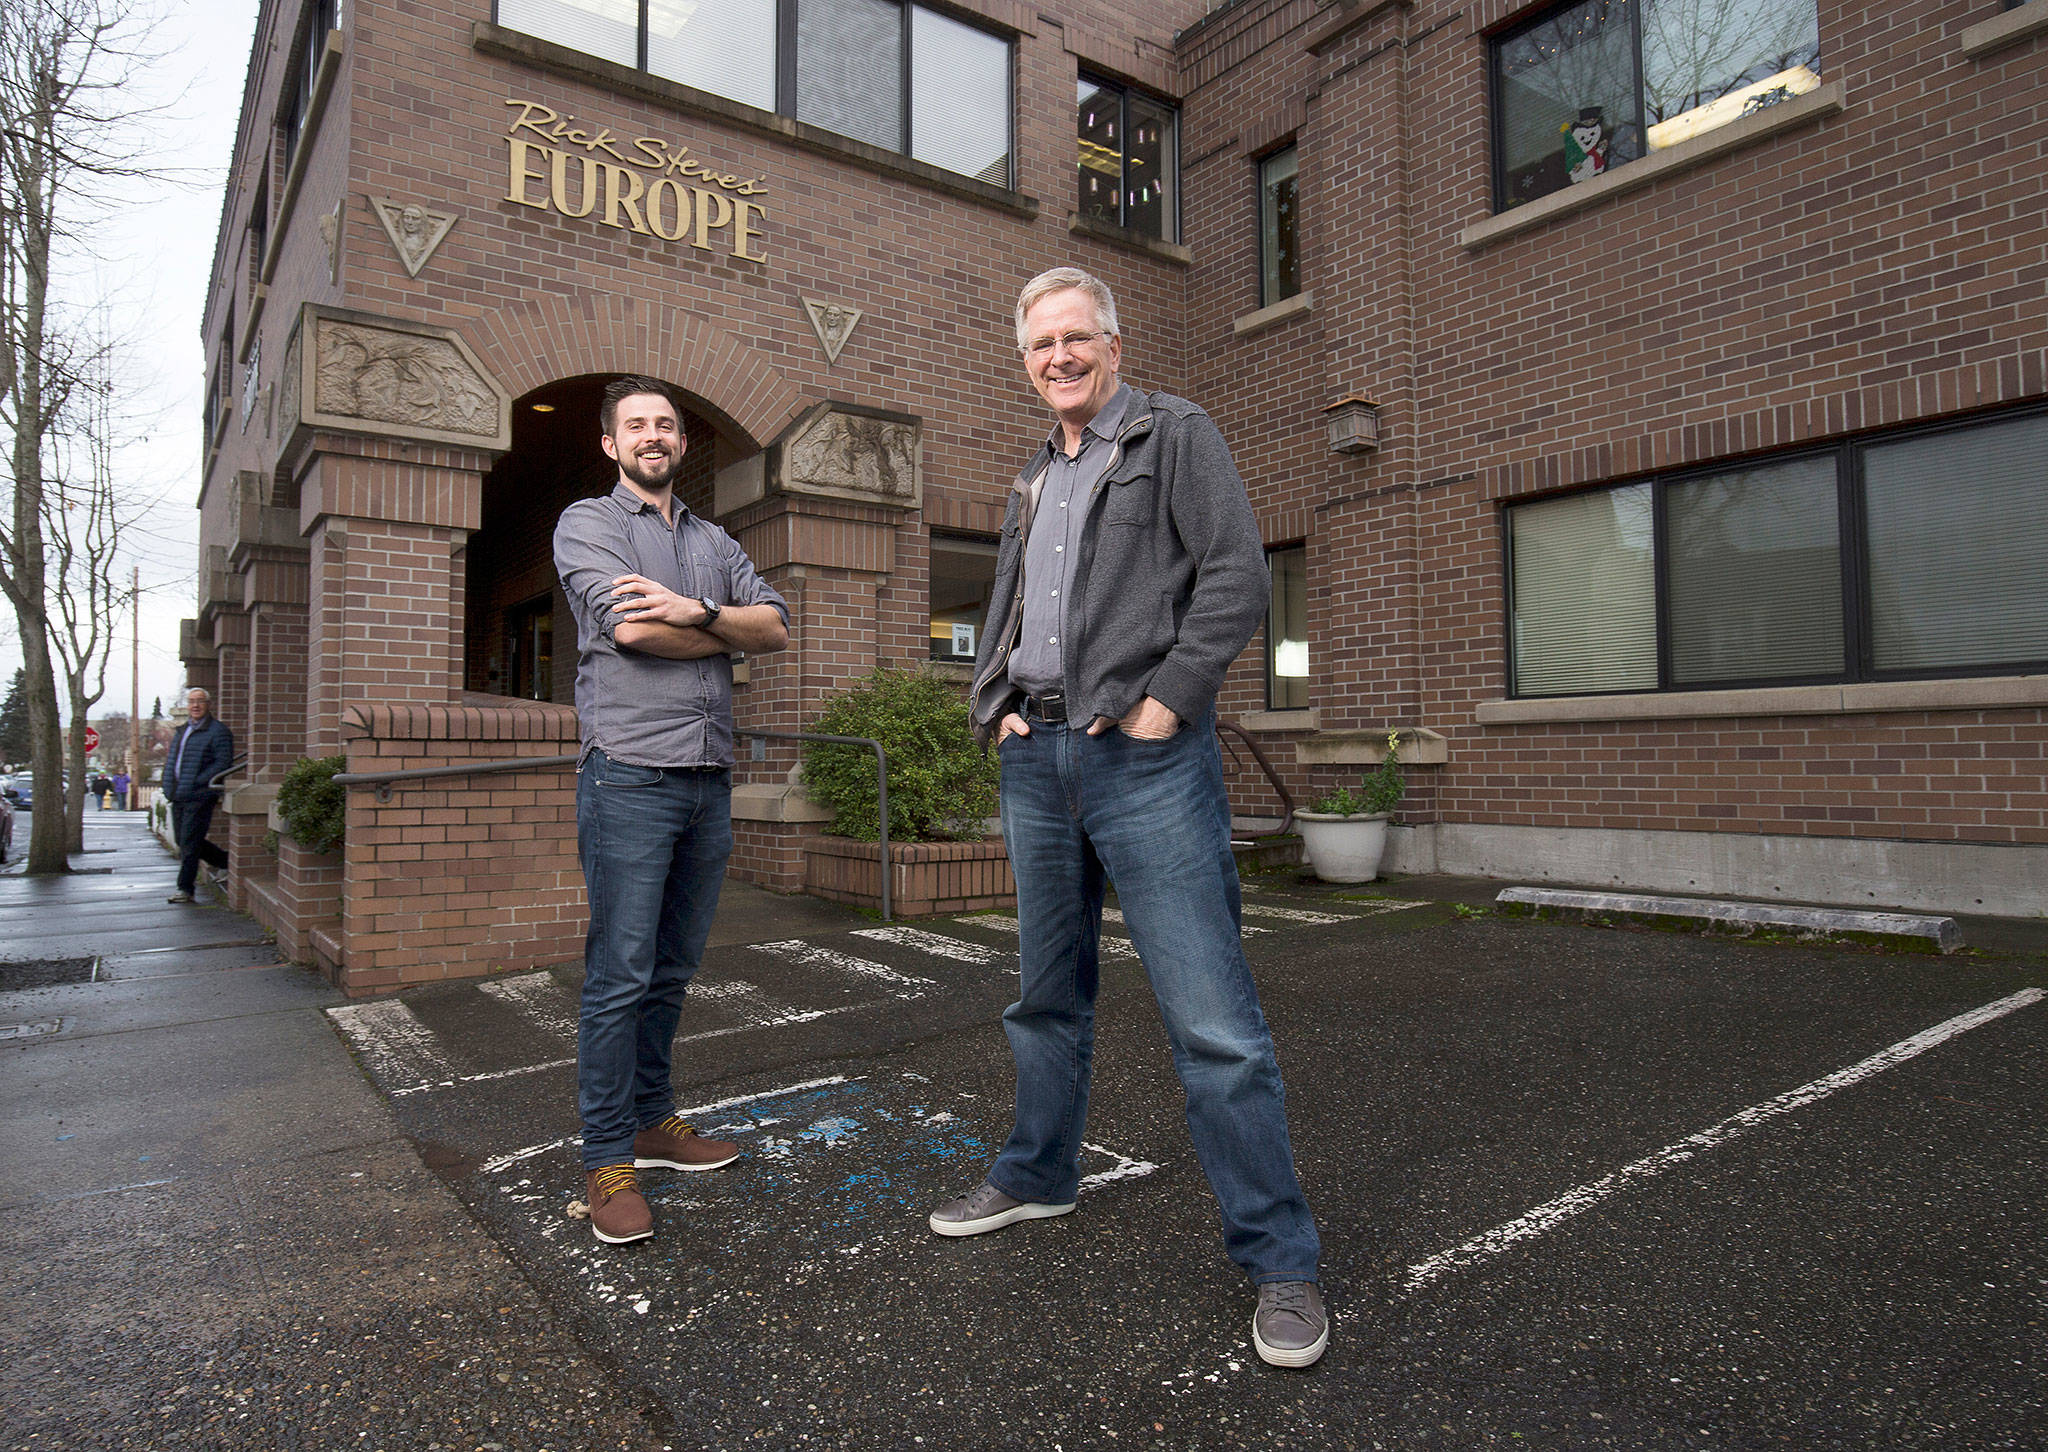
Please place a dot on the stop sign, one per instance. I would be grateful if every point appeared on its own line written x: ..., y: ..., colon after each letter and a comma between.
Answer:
x: 92, y: 739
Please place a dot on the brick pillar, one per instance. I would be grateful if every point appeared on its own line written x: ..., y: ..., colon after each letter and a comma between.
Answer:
x: 272, y: 564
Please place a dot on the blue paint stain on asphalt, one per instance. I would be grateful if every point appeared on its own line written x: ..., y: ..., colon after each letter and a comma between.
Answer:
x: 832, y: 1163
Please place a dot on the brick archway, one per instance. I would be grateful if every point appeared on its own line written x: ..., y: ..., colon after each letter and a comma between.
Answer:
x: 533, y: 344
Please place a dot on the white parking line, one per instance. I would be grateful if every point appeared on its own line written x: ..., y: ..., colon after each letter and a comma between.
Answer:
x: 810, y: 955
x: 1115, y: 915
x: 1108, y: 947
x: 537, y: 996
x: 1556, y: 1212
x: 503, y: 1162
x: 1125, y: 1168
x: 936, y: 945
x: 399, y: 1048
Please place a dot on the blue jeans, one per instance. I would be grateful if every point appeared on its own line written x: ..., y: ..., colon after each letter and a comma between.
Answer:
x: 653, y: 844
x: 190, y: 822
x: 1081, y: 811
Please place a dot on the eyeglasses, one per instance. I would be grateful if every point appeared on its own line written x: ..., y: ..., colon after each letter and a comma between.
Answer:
x: 1075, y: 342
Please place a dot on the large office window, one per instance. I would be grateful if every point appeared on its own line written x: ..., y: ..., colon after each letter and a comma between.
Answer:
x: 1287, y: 629
x: 963, y: 573
x: 1921, y: 553
x: 891, y: 74
x: 296, y: 99
x: 1595, y: 84
x: 1279, y: 246
x: 1129, y: 159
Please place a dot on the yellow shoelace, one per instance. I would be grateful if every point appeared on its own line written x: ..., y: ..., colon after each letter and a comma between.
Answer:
x: 614, y: 1178
x: 676, y: 1125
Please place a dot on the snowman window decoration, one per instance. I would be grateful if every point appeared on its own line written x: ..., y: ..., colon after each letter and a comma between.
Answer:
x: 1585, y: 145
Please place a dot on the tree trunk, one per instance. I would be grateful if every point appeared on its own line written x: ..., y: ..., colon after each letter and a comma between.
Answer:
x: 74, y: 752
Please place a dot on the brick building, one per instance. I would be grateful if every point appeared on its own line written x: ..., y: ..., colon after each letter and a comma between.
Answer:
x: 1645, y: 402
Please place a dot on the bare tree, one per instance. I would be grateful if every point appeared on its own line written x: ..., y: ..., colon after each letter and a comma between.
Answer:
x: 66, y: 103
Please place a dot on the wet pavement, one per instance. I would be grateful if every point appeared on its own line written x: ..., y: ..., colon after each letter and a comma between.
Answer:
x: 1578, y: 1188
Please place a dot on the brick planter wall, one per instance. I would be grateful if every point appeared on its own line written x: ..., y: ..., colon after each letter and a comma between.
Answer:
x: 927, y: 878
x: 465, y: 875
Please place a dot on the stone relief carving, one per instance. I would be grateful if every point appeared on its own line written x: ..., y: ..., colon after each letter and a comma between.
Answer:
x: 288, y: 386
x: 833, y: 322
x: 400, y: 378
x: 330, y: 237
x: 414, y: 231
x: 853, y: 455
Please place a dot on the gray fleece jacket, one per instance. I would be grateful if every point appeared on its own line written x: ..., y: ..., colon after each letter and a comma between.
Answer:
x: 1171, y: 577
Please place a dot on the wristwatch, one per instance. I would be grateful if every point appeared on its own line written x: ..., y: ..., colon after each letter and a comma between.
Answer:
x: 711, y: 608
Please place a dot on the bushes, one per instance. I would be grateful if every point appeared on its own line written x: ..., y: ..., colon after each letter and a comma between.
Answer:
x: 310, y: 805
x: 941, y: 786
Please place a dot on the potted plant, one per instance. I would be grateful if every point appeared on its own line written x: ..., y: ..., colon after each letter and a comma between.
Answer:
x: 1346, y: 834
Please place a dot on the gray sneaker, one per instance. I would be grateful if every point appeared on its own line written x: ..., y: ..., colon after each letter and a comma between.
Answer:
x: 179, y: 897
x: 985, y: 1208
x: 1289, y: 1328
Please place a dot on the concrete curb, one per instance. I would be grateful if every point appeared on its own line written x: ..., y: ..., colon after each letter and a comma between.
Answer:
x: 1913, y: 932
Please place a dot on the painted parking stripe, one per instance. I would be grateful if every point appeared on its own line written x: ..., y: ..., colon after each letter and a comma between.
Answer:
x: 1125, y: 1168
x: 1108, y: 947
x: 810, y: 955
x: 754, y: 1008
x: 937, y: 945
x: 505, y: 1162
x: 1564, y: 1207
x: 538, y: 997
x: 399, y: 1049
x: 1115, y: 915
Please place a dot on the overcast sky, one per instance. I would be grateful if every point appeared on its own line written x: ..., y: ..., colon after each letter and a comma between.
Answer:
x: 155, y: 251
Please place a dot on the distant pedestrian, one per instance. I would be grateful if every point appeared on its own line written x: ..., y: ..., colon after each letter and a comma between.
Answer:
x: 122, y: 781
x: 201, y: 750
x: 662, y: 598
x: 1130, y: 576
x: 102, y: 784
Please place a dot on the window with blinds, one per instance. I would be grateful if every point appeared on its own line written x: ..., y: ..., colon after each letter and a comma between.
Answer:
x: 1921, y: 553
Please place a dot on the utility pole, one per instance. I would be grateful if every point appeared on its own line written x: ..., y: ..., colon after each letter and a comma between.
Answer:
x: 134, y: 687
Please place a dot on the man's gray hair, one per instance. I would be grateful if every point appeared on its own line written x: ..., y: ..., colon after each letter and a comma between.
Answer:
x: 191, y: 691
x: 1063, y: 279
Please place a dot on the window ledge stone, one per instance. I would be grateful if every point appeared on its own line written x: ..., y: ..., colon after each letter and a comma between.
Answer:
x: 961, y: 671
x: 1829, y: 98
x: 2010, y: 28
x: 545, y: 55
x: 1302, y: 718
x: 1173, y: 252
x: 1279, y: 312
x: 1980, y: 693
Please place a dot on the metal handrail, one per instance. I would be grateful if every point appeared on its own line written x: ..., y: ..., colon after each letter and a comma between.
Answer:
x: 1279, y: 787
x: 225, y: 772
x: 382, y: 781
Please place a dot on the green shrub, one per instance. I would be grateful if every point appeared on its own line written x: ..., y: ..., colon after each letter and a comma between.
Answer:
x: 941, y: 786
x: 311, y: 806
x: 1380, y: 790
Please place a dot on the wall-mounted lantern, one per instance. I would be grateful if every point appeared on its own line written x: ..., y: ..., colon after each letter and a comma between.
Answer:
x: 1354, y: 425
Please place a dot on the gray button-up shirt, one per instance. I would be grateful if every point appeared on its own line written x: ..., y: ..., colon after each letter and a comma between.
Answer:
x: 1036, y: 666
x: 638, y: 708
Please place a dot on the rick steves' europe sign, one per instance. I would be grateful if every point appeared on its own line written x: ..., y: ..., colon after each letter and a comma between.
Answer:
x: 645, y: 185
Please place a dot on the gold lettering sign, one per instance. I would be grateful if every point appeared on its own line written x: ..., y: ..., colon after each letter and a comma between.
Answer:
x: 646, y: 185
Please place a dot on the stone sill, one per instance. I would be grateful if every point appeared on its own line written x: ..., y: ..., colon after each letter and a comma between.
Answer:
x: 2010, y: 28
x: 959, y: 671
x: 1831, y: 97
x: 1173, y: 252
x: 1983, y: 693
x: 1418, y: 746
x: 1304, y: 718
x: 530, y: 50
x: 1279, y: 312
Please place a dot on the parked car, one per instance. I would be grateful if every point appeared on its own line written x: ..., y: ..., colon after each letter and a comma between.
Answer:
x: 20, y: 790
x: 6, y: 829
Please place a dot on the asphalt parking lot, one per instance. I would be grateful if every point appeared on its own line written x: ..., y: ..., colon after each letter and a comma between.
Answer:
x: 1577, y: 1187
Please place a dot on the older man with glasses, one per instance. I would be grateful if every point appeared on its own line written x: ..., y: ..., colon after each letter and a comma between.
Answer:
x: 1130, y: 575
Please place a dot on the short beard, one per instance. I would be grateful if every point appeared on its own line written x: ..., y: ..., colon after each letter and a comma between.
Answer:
x: 636, y: 469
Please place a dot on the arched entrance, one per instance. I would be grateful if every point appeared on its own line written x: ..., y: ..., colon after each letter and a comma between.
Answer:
x: 518, y: 638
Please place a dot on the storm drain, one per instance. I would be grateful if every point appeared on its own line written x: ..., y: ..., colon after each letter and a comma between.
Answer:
x: 31, y: 1030
x: 45, y: 972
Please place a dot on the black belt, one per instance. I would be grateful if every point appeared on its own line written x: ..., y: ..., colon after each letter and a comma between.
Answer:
x: 1051, y: 707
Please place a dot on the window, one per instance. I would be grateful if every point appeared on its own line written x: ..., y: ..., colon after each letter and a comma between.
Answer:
x: 890, y: 74
x: 963, y: 574
x: 1287, y: 629
x: 1921, y: 553
x: 1279, y: 256
x: 297, y: 98
x: 1593, y: 85
x: 220, y: 392
x: 530, y: 649
x: 259, y: 234
x: 1129, y: 159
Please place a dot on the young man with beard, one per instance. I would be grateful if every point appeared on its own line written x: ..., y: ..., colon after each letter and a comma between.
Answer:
x: 661, y: 597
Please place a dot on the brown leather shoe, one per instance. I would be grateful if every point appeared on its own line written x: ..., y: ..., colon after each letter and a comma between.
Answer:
x: 673, y: 1145
x: 618, y: 1211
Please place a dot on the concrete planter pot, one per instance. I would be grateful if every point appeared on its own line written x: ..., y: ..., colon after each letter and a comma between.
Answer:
x: 1343, y: 848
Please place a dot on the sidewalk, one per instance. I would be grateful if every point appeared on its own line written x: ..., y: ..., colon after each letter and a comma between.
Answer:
x: 214, y: 1234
